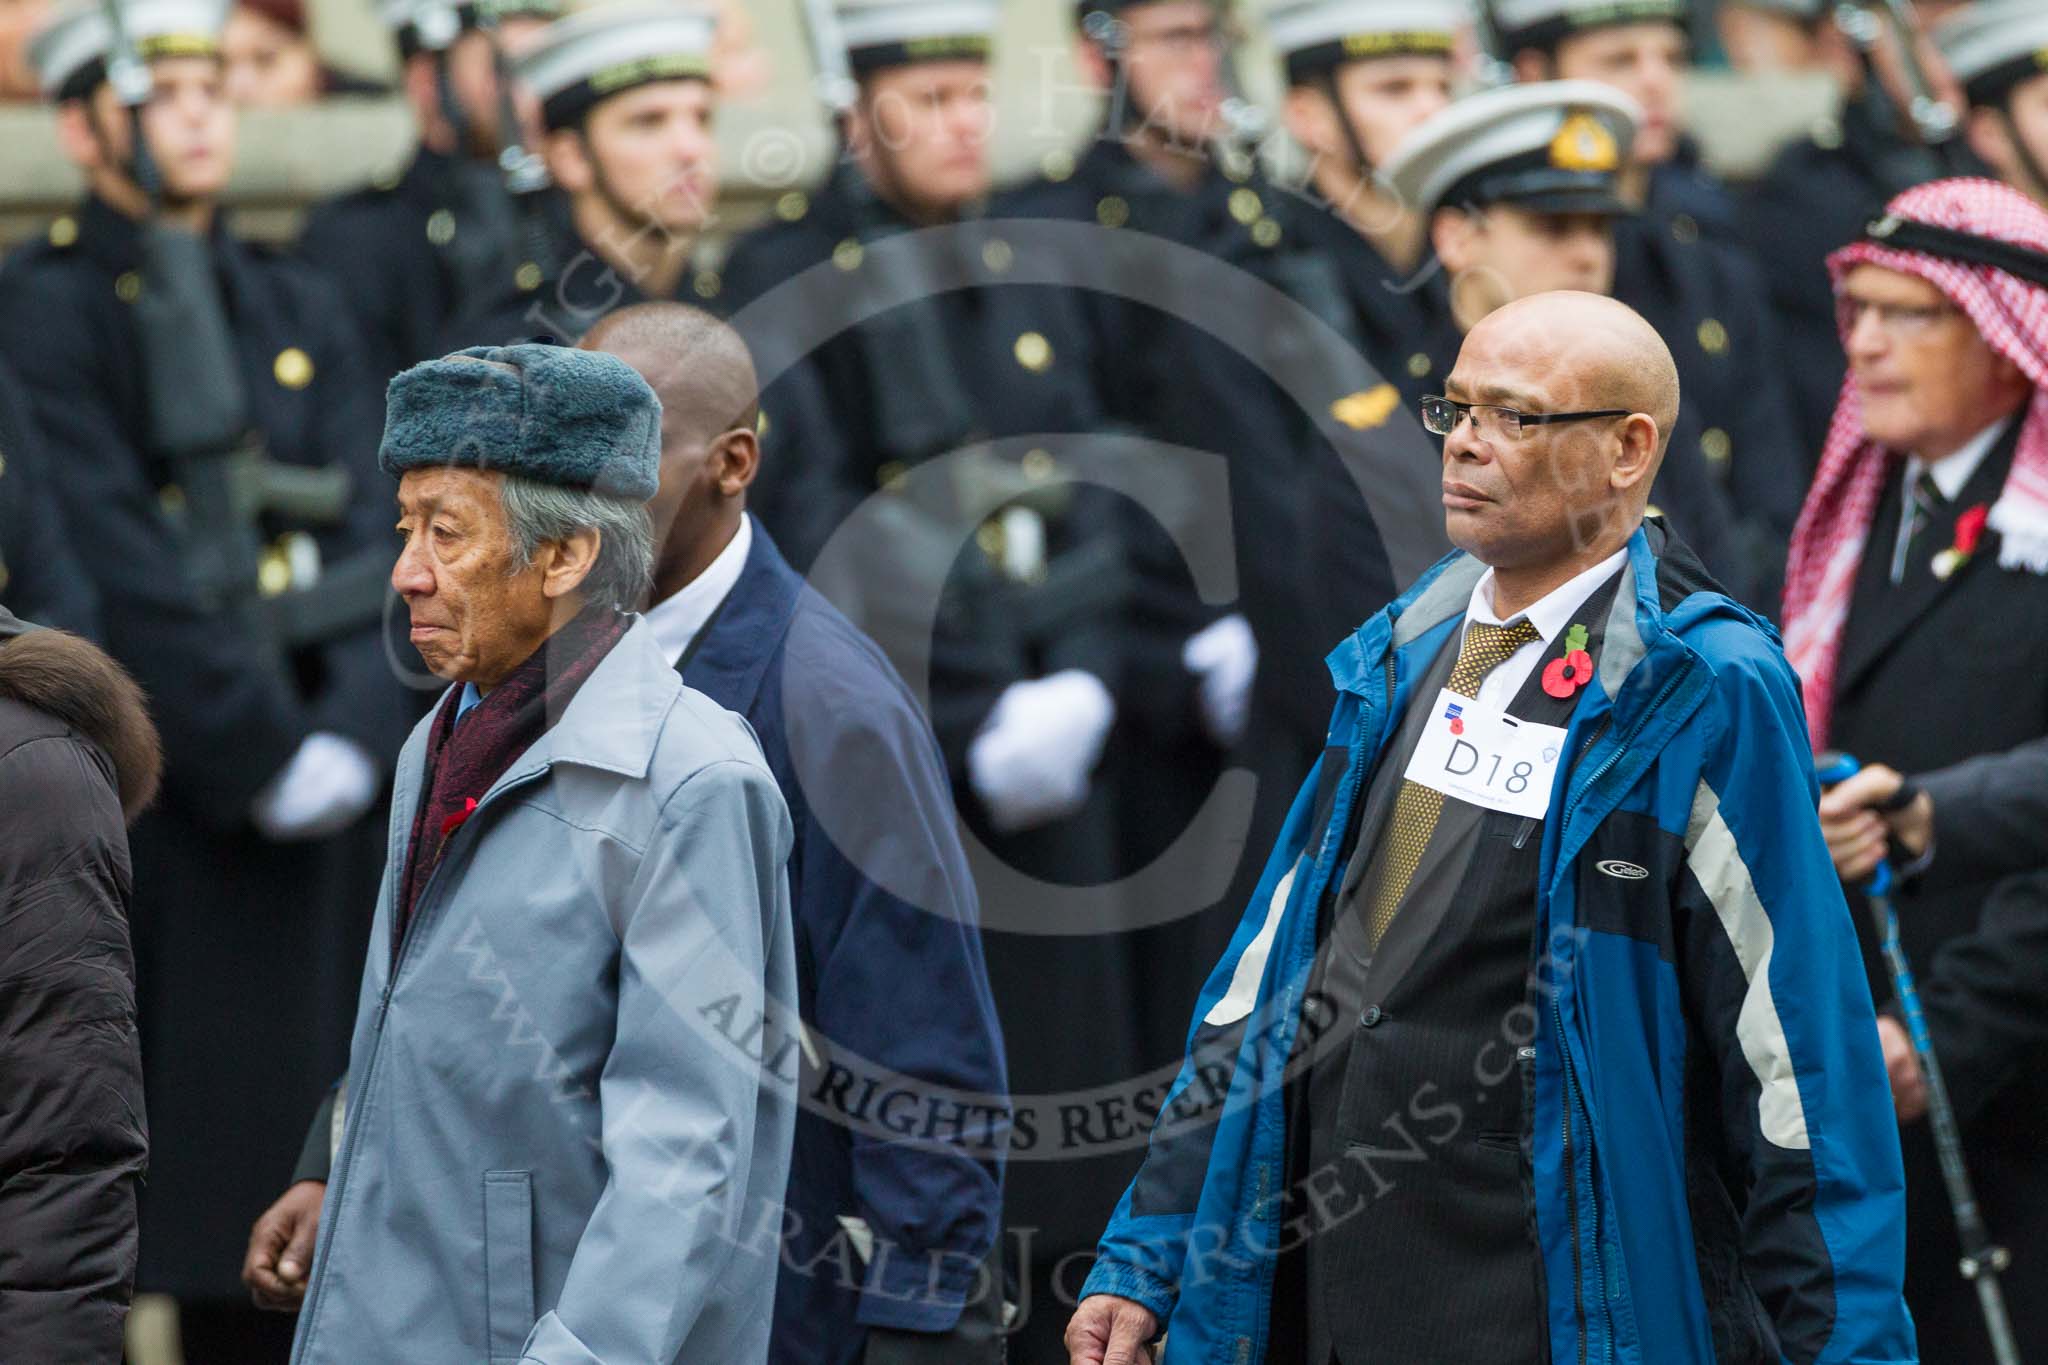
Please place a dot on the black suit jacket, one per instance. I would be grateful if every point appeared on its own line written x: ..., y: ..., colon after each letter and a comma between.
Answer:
x: 1933, y: 672
x: 1991, y: 812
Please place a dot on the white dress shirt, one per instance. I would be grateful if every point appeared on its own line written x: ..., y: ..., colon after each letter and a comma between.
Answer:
x: 677, y: 620
x: 1551, y: 616
x: 1951, y: 476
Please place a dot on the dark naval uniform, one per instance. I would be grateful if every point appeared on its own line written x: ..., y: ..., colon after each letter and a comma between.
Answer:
x: 576, y: 287
x: 950, y: 369
x: 41, y: 576
x: 412, y: 253
x: 1310, y: 560
x: 246, y: 950
x: 1390, y: 311
x: 572, y: 288
x: 1677, y: 265
x: 1818, y: 196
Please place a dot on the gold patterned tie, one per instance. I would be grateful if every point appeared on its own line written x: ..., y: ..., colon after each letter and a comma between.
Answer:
x: 1418, y: 807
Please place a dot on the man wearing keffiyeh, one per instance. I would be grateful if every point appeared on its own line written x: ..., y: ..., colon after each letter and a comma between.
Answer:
x: 1916, y: 613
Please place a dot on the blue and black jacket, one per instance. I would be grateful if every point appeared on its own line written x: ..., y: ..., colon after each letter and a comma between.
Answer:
x: 1714, y: 1168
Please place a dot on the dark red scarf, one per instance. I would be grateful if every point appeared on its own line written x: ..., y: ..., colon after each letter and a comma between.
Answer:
x: 464, y: 760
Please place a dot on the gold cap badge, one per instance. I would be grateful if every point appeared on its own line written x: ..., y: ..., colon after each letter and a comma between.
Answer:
x: 1584, y: 143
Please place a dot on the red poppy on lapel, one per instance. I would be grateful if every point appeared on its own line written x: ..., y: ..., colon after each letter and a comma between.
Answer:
x: 1969, y: 534
x: 454, y: 822
x: 1562, y: 678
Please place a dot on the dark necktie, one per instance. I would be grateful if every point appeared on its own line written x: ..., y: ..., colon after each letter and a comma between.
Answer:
x: 1925, y: 503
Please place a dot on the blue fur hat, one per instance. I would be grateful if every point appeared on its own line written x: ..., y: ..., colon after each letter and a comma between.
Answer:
x: 578, y: 418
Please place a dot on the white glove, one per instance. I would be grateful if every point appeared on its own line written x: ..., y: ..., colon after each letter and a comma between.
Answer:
x: 326, y: 785
x: 1225, y: 657
x: 1031, y: 762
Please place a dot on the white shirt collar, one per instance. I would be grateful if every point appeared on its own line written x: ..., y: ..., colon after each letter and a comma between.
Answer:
x: 1554, y: 612
x: 1953, y: 474
x: 677, y: 620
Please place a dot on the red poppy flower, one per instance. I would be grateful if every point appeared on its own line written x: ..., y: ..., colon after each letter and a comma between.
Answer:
x: 1564, y: 677
x: 1970, y: 528
x: 454, y: 822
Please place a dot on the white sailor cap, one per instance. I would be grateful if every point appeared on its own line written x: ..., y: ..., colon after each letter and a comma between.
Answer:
x: 70, y: 52
x: 880, y: 33
x: 609, y: 49
x: 1315, y: 36
x: 1552, y: 146
x: 1995, y: 45
x: 1543, y: 24
x: 431, y: 25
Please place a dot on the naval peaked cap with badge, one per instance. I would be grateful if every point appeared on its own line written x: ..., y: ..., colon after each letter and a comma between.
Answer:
x: 1551, y: 147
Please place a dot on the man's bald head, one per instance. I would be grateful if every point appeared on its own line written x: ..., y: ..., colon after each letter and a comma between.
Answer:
x: 710, y: 418
x: 1610, y: 349
x: 699, y: 367
x: 1548, y: 498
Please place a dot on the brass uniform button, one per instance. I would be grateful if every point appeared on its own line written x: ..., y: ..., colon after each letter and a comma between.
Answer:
x: 1112, y: 211
x: 998, y: 255
x: 274, y: 572
x: 1058, y: 166
x: 1419, y: 365
x: 1715, y: 445
x: 1266, y: 232
x: 792, y: 207
x: 63, y: 231
x: 1246, y: 206
x: 1039, y: 465
x: 128, y: 286
x: 527, y: 277
x: 849, y: 254
x: 171, y: 499
x: 1713, y: 337
x: 3, y: 466
x: 1685, y: 229
x: 1034, y: 352
x: 991, y: 538
x: 708, y: 284
x: 293, y: 368
x: 440, y: 227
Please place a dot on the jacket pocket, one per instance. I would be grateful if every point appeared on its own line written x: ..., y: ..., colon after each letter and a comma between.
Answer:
x: 508, y: 1263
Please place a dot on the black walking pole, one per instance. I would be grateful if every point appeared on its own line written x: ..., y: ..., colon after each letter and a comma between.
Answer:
x: 1982, y: 1261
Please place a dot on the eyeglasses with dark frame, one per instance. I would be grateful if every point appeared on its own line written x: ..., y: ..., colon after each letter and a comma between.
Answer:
x: 1440, y: 416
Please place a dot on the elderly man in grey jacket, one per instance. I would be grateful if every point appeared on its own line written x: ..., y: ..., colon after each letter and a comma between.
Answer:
x: 560, y: 1144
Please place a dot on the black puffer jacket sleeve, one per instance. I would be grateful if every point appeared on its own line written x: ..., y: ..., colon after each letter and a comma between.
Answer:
x: 72, y: 1141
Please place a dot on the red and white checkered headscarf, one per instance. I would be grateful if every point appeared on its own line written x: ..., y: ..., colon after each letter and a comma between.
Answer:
x: 2012, y: 316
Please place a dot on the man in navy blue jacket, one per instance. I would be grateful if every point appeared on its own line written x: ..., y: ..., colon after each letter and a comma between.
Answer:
x: 895, y: 1193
